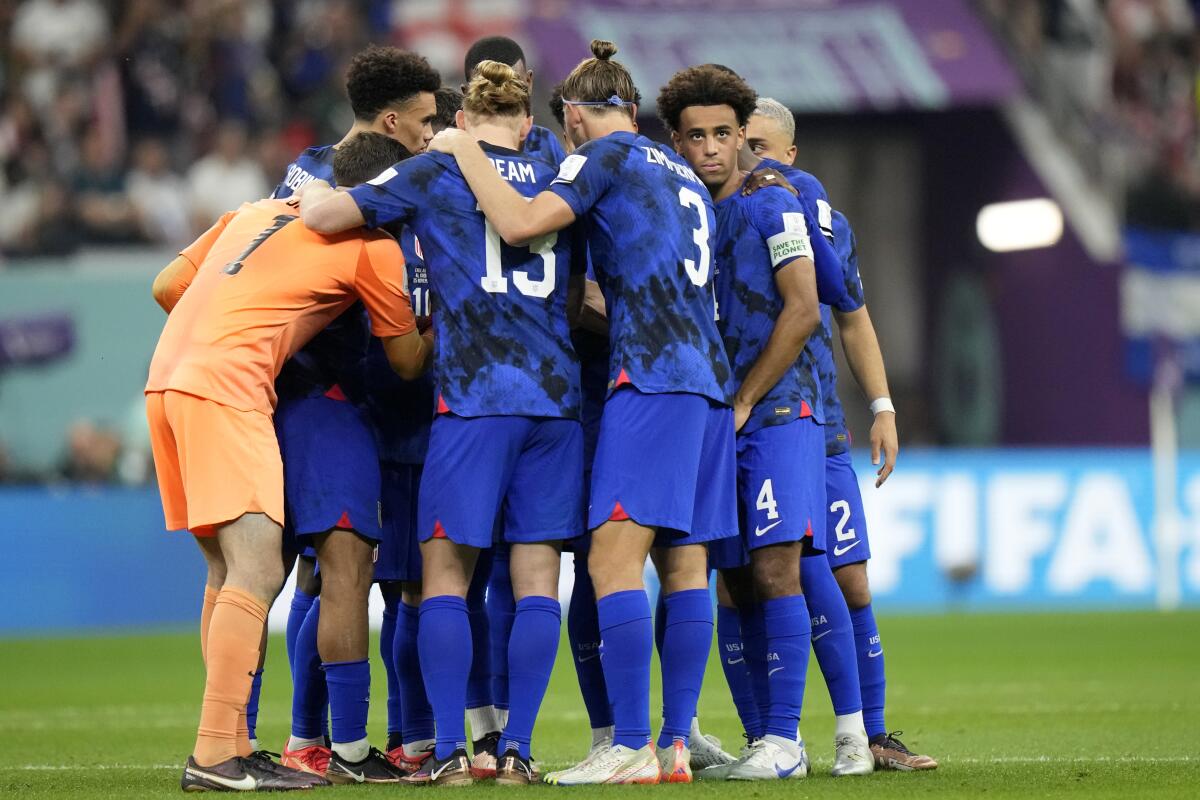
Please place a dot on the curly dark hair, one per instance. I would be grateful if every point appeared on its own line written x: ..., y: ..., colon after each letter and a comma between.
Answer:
x: 382, y: 77
x: 706, y: 85
x: 364, y: 157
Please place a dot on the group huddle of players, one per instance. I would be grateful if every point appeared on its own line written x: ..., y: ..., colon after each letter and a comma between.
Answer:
x: 624, y: 351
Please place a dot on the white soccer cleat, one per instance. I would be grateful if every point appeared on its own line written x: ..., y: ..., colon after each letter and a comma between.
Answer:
x: 763, y: 760
x: 617, y: 764
x: 597, y: 749
x: 852, y: 755
x: 706, y: 750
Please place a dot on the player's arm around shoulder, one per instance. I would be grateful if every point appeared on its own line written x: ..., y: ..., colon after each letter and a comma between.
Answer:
x: 515, y: 218
x: 327, y: 210
x: 380, y: 281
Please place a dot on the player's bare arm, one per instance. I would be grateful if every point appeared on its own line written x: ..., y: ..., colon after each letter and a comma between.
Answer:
x: 594, y: 315
x: 866, y: 362
x: 324, y: 209
x: 172, y: 282
x: 799, y: 317
x: 516, y: 220
x: 410, y: 354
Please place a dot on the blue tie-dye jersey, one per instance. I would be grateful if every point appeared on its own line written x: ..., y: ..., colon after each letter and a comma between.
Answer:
x: 757, y: 235
x: 503, y: 344
x: 402, y: 410
x: 650, y: 235
x: 315, y: 163
x: 837, y: 439
x: 335, y: 354
x: 542, y: 143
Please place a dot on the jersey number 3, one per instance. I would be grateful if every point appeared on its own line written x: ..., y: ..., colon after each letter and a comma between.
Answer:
x: 697, y: 272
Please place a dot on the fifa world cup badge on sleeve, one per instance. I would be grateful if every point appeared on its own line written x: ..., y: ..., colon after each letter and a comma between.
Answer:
x: 570, y: 168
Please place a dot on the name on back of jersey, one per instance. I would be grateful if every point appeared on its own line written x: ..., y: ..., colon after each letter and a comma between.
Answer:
x: 514, y: 171
x: 659, y: 158
x: 297, y: 176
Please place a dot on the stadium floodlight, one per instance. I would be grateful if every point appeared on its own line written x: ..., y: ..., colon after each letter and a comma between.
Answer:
x: 1019, y: 225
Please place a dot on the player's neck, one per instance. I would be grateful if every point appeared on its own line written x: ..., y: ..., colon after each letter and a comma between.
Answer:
x: 358, y: 127
x: 601, y: 125
x: 499, y: 135
x: 727, y: 188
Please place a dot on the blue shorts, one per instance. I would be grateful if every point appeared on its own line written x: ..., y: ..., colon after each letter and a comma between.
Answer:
x: 781, y: 490
x: 399, y: 555
x: 666, y: 461
x: 330, y: 467
x: 847, y: 525
x: 531, y: 468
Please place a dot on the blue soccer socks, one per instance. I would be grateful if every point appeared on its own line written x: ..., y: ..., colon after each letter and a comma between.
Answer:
x: 531, y: 651
x: 627, y: 635
x: 832, y: 634
x: 788, y: 634
x: 444, y: 640
x: 872, y: 680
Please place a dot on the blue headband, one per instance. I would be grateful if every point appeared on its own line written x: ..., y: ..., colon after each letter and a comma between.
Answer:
x: 612, y: 101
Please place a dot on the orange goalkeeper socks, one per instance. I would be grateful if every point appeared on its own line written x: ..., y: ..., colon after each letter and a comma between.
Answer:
x: 234, y: 637
x: 206, y: 612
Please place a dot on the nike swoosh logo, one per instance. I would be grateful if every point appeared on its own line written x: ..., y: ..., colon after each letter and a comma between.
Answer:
x: 822, y: 634
x: 773, y: 671
x: 359, y: 777
x: 587, y: 658
x: 874, y: 653
x: 243, y: 784
x: 436, y: 773
x: 783, y: 773
x: 731, y: 661
x: 760, y: 531
x: 838, y: 551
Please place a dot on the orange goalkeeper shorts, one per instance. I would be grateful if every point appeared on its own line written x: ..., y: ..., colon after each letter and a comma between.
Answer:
x: 214, y: 463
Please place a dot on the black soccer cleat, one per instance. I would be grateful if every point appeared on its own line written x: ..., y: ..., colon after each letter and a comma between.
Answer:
x: 375, y: 768
x: 512, y: 770
x: 252, y: 774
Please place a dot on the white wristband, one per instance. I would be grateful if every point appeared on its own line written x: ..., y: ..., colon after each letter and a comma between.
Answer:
x: 882, y: 404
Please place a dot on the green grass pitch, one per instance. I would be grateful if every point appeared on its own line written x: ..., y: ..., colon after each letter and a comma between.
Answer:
x: 1028, y: 706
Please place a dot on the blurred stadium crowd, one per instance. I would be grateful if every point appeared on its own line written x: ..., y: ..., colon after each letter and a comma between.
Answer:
x: 1121, y: 79
x: 155, y: 116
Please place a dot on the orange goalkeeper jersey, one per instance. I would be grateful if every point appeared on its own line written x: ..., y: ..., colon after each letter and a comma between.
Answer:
x: 264, y: 285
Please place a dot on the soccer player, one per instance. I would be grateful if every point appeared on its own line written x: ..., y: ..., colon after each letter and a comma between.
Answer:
x: 490, y: 600
x: 402, y: 412
x: 768, y: 301
x: 771, y: 135
x: 507, y: 434
x: 330, y: 461
x: 540, y: 142
x: 240, y: 300
x: 663, y: 473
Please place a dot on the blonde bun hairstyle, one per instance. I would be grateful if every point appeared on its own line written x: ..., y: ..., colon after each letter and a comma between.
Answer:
x: 496, y: 90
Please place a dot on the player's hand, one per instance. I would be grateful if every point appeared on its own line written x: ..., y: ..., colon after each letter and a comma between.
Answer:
x: 448, y: 141
x: 767, y: 177
x: 741, y: 413
x: 884, y: 441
